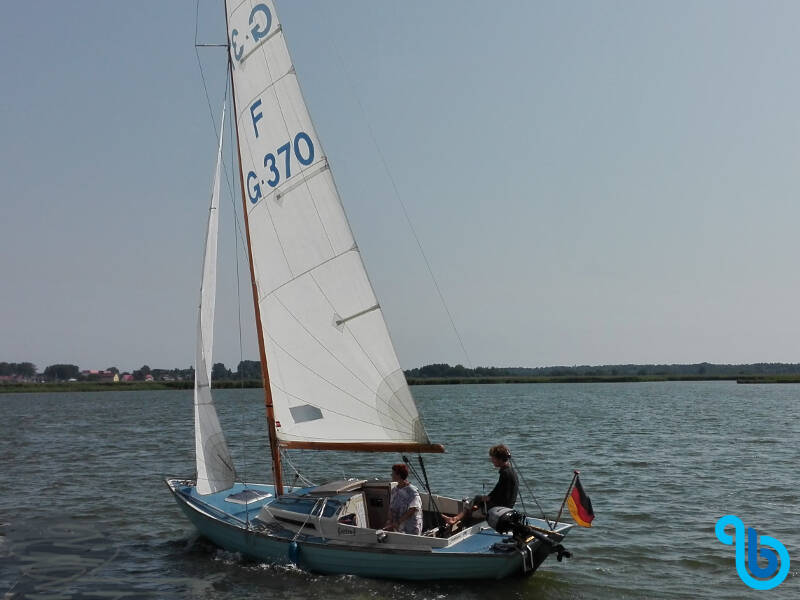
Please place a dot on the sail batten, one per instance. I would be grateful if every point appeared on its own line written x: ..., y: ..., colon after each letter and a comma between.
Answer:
x: 255, y: 48
x: 374, y: 390
x: 334, y: 376
x: 305, y: 176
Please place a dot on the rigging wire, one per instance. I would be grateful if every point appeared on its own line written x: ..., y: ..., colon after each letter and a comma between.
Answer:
x: 400, y: 201
x: 308, y: 516
x: 297, y: 473
x: 231, y: 188
x: 519, y: 473
x: 427, y: 486
x: 238, y: 295
x: 238, y: 231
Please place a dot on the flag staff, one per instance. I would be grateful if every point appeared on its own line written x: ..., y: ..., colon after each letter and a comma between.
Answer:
x: 569, y: 489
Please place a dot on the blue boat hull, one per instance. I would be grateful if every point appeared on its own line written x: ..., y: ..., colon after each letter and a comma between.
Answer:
x: 233, y: 532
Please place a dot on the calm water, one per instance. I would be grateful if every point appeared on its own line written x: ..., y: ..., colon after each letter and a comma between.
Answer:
x: 84, y: 513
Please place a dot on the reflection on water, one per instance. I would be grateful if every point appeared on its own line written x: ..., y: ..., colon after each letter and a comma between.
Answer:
x: 84, y: 512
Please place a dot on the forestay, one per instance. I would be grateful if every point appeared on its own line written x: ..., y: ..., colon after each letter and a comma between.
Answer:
x: 214, y: 465
x: 334, y: 374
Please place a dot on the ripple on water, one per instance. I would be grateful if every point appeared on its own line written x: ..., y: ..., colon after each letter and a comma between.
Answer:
x: 661, y: 463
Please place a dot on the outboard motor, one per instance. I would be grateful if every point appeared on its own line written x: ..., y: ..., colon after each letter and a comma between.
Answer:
x: 504, y: 520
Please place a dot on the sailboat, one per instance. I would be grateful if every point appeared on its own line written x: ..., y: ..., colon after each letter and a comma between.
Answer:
x: 332, y: 380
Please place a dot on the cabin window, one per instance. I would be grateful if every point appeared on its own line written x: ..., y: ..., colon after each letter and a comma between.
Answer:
x: 306, y: 505
x: 349, y: 519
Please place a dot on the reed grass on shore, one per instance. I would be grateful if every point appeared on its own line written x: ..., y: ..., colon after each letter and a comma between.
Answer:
x: 83, y: 386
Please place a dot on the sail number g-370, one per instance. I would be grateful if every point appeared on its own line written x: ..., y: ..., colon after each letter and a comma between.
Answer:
x: 279, y: 164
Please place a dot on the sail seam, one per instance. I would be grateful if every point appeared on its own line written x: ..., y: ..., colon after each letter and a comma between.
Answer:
x: 336, y: 358
x: 232, y: 10
x: 408, y: 418
x: 408, y: 415
x: 294, y: 278
x: 312, y: 171
x: 273, y: 82
x: 313, y: 129
x: 333, y: 385
x: 261, y: 43
x: 268, y: 208
x: 346, y: 416
x: 271, y: 87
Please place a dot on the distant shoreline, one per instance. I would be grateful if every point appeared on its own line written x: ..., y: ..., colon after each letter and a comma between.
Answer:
x: 121, y: 386
x: 104, y: 386
x: 604, y: 379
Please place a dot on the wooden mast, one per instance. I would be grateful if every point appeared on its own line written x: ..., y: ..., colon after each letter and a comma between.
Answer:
x: 273, y: 433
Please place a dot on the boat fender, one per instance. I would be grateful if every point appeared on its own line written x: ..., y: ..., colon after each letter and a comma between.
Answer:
x: 294, y: 553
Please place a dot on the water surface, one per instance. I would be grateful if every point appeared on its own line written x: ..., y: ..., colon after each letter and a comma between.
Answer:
x: 85, y: 513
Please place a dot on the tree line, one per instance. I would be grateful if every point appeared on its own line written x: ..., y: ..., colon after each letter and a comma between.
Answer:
x: 26, y: 371
x: 250, y: 370
x: 23, y: 369
x: 445, y: 371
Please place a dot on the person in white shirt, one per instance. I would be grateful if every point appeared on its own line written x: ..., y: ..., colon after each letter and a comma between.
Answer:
x: 405, y: 505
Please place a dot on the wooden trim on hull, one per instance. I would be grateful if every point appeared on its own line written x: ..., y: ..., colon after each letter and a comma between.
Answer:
x: 365, y: 446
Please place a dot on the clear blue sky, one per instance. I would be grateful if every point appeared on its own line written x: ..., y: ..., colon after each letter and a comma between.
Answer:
x: 593, y: 182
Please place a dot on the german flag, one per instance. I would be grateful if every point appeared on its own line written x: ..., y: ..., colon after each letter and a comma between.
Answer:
x: 580, y: 507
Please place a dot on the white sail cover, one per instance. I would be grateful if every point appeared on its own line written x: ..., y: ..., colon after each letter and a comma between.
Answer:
x: 214, y: 465
x: 334, y: 374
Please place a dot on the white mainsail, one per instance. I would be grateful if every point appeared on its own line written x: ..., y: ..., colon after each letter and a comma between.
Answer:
x: 334, y: 374
x: 214, y: 465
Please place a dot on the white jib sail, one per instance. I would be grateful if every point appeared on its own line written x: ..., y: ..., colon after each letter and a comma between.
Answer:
x: 215, y: 470
x: 334, y: 374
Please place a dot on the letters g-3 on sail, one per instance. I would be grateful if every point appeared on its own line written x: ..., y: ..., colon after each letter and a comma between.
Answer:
x: 260, y: 23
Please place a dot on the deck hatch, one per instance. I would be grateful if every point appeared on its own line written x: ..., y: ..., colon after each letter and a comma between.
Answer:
x: 247, y: 496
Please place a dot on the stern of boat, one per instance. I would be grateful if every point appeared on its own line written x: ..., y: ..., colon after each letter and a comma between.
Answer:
x: 533, y: 539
